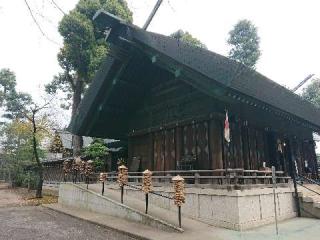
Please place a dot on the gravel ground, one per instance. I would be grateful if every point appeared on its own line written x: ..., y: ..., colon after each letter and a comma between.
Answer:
x: 10, y: 198
x: 17, y: 223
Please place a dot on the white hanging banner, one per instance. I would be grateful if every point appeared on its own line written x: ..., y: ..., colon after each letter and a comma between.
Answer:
x: 227, y: 128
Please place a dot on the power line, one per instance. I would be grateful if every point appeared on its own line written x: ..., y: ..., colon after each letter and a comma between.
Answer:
x: 38, y: 25
x: 57, y: 6
x: 170, y: 5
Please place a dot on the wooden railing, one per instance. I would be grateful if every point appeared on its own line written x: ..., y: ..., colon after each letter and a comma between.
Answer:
x: 221, y: 177
x: 212, y: 177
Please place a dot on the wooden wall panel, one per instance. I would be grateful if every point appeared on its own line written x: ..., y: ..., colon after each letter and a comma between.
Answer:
x: 231, y: 154
x: 170, y: 150
x: 158, y: 151
x: 179, y: 144
x: 140, y: 147
x: 150, y: 163
x: 252, y: 148
x: 202, y: 148
x: 266, y: 149
x: 215, y: 139
x: 245, y: 146
x: 260, y: 148
x: 189, y: 143
x: 237, y: 146
x: 130, y: 151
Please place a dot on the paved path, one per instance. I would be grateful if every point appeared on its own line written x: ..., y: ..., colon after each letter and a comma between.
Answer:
x: 18, y: 222
x: 33, y: 223
x: 293, y: 229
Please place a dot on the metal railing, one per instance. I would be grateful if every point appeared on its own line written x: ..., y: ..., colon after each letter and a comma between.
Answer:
x: 302, y: 178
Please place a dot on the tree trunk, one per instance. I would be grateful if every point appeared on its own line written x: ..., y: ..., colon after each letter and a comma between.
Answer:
x: 77, y: 141
x: 36, y: 155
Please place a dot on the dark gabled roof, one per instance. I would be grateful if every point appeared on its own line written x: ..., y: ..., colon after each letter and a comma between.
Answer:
x: 231, y: 74
x: 210, y: 69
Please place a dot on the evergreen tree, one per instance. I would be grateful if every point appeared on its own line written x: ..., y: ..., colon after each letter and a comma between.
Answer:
x: 188, y: 38
x: 244, y: 42
x: 83, y: 50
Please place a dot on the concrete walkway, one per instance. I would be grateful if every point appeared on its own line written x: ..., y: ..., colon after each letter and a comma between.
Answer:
x: 293, y: 229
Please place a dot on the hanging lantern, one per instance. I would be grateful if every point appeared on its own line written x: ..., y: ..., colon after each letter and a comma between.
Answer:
x: 147, y: 181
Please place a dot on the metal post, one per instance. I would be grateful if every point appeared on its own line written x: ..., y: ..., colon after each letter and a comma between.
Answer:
x: 122, y: 194
x: 274, y: 197
x: 293, y: 174
x: 102, y: 192
x: 87, y: 180
x: 147, y: 202
x: 179, y: 215
x: 296, y: 195
x: 29, y: 187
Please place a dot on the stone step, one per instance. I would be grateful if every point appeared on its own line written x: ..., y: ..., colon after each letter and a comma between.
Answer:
x: 309, y: 201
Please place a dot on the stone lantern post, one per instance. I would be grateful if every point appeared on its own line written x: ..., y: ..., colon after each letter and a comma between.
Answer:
x: 88, y: 171
x: 122, y: 178
x: 147, y: 186
x: 102, y: 179
x: 66, y: 169
x: 179, y: 198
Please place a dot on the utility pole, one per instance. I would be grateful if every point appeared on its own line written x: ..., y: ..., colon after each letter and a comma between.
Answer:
x: 154, y: 11
x: 302, y: 82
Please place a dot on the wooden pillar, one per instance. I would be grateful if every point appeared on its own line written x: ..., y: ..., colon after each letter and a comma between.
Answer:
x: 178, y: 144
x: 130, y: 150
x: 237, y: 146
x: 215, y: 144
x: 150, y: 151
x: 245, y: 146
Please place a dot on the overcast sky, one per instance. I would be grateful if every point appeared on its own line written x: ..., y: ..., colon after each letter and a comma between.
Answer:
x: 289, y: 32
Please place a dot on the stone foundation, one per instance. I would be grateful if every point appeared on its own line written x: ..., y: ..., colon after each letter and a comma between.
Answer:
x: 78, y: 197
x: 233, y: 209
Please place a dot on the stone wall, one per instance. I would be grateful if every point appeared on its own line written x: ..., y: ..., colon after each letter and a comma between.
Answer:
x: 234, y: 209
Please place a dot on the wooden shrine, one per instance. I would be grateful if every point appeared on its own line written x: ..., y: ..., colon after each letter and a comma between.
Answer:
x: 168, y: 99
